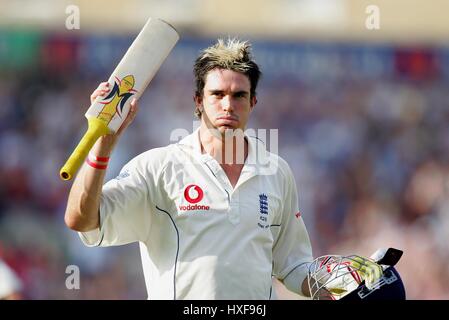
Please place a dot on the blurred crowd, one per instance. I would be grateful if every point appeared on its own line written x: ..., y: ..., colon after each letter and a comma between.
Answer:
x: 369, y: 152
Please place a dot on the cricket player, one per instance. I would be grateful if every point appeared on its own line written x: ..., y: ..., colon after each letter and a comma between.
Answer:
x: 216, y: 214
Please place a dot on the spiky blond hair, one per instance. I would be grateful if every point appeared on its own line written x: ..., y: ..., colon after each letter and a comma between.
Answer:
x: 234, y: 55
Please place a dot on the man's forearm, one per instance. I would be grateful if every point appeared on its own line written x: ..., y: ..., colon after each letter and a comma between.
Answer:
x: 82, y: 213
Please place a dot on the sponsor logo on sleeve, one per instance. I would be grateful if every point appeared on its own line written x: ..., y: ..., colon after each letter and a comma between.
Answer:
x: 123, y: 175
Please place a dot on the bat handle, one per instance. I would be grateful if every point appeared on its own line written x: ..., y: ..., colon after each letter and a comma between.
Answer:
x: 96, y: 129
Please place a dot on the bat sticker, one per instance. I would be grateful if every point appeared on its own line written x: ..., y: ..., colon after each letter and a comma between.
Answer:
x: 114, y: 102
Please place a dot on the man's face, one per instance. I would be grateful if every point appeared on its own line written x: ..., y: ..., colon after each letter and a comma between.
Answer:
x: 226, y: 102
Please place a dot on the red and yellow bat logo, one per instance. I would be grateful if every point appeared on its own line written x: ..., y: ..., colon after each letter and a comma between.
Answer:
x: 114, y: 102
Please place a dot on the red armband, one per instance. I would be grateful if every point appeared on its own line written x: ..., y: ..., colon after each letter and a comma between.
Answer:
x: 100, y: 163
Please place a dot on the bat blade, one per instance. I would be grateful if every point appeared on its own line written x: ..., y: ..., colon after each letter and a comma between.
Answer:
x: 134, y: 72
x: 129, y: 80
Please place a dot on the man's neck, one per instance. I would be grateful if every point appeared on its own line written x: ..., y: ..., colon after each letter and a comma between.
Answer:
x: 228, y: 149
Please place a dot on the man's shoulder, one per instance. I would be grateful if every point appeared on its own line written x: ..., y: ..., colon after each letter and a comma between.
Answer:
x: 268, y: 159
x: 275, y: 157
x: 283, y: 168
x: 155, y: 157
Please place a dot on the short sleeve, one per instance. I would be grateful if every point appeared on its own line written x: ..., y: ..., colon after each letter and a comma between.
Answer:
x: 125, y: 207
x: 292, y: 250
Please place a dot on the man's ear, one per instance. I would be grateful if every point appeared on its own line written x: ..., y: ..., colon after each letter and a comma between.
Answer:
x: 198, y: 101
x: 253, y: 102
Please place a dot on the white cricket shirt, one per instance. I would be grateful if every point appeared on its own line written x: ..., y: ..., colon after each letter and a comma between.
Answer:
x: 200, y: 238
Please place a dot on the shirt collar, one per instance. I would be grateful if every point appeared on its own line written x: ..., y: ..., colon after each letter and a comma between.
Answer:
x: 257, y: 153
x: 192, y: 141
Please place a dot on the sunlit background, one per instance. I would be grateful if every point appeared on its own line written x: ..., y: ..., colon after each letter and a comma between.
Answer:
x: 362, y: 113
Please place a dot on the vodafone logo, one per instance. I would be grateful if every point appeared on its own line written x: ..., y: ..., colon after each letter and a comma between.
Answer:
x: 193, y: 194
x: 196, y: 198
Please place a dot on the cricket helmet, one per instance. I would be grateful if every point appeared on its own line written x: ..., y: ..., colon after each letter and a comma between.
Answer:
x: 336, y: 277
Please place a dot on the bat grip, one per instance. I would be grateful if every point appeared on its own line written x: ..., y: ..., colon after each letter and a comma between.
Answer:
x: 96, y: 129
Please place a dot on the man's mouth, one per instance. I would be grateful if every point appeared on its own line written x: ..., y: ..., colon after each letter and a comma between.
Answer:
x: 227, y: 119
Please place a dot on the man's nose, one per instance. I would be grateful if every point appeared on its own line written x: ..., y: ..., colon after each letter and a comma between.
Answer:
x: 227, y: 104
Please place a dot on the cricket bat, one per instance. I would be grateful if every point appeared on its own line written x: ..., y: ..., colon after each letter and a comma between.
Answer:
x: 129, y: 80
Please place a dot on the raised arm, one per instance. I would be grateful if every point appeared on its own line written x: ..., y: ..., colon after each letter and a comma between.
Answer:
x: 82, y: 212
